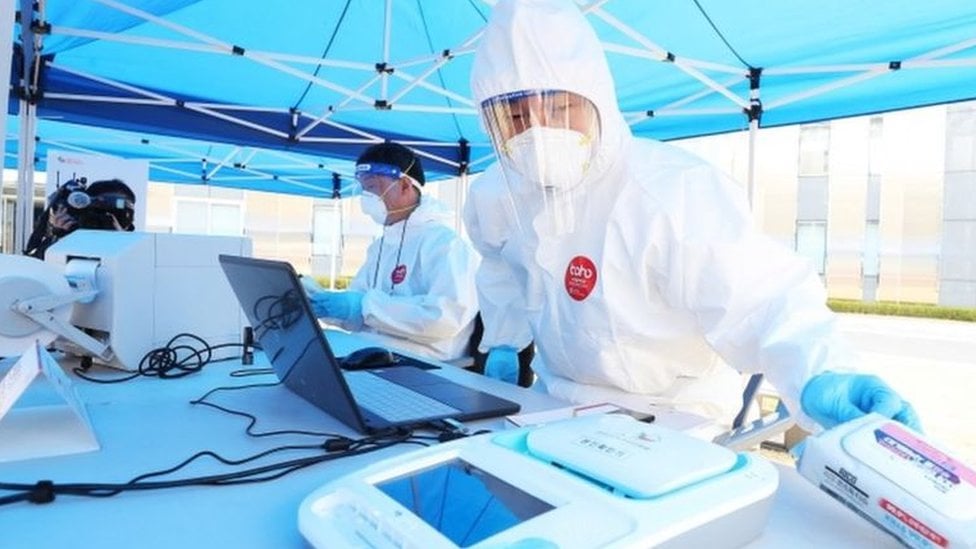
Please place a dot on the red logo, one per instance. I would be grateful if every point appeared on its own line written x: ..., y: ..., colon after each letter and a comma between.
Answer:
x: 398, y: 274
x: 580, y: 277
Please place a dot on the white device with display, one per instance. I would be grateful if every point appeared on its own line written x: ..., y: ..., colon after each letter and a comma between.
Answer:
x: 144, y: 289
x: 593, y: 481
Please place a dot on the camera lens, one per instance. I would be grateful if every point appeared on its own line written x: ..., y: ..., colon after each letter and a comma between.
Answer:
x: 78, y: 200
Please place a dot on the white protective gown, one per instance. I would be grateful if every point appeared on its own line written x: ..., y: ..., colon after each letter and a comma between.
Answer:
x: 670, y: 283
x: 431, y: 310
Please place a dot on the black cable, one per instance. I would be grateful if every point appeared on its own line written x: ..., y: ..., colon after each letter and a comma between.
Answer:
x: 14, y: 498
x: 166, y: 363
x: 720, y: 35
x: 252, y: 420
x: 45, y: 491
x: 325, y: 52
x: 440, y: 76
x: 218, y: 457
x: 335, y: 446
x: 248, y: 372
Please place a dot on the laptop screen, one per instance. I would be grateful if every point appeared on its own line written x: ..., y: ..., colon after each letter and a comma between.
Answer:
x: 276, y: 306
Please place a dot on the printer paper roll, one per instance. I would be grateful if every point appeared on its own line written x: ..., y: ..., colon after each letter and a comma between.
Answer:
x: 23, y: 277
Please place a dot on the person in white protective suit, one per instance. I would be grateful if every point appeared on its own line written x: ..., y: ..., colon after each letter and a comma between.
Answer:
x: 632, y: 263
x: 416, y: 289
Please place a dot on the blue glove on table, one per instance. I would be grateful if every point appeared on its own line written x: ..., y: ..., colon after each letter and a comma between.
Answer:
x: 832, y: 398
x: 503, y: 364
x: 346, y: 306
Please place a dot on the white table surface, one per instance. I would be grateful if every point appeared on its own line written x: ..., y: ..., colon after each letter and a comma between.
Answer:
x: 148, y: 424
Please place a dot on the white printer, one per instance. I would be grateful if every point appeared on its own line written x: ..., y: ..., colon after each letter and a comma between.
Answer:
x: 148, y: 288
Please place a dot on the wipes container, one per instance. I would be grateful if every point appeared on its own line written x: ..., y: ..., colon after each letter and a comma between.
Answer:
x: 896, y: 479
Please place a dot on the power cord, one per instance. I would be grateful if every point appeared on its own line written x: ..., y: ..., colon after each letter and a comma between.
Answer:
x: 45, y: 491
x: 252, y: 420
x: 171, y: 361
x: 334, y: 446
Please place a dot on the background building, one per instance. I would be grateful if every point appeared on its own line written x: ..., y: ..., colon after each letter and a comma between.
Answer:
x: 884, y: 206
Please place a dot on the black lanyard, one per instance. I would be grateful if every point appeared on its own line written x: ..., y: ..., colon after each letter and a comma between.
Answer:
x: 379, y: 256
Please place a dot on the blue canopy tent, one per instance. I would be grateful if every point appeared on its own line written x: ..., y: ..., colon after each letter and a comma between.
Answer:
x: 325, y: 78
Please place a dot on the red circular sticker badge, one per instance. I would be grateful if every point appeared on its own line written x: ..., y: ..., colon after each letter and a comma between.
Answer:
x: 398, y: 274
x: 580, y: 277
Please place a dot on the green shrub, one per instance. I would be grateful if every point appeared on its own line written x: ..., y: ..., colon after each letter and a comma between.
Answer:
x: 893, y: 308
x: 342, y: 282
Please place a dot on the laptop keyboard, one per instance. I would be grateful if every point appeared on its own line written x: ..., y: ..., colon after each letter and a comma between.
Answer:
x: 392, y: 402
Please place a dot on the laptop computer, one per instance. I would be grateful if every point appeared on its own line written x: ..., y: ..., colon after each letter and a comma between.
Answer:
x: 368, y: 400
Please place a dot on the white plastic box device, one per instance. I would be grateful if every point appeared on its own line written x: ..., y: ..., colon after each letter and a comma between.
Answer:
x: 593, y: 481
x: 151, y: 287
x: 896, y: 479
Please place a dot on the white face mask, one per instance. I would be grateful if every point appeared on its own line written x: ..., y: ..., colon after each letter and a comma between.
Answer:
x: 373, y: 206
x: 553, y: 158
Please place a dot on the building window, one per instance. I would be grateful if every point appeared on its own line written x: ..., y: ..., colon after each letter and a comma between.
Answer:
x: 814, y: 146
x: 960, y: 138
x: 327, y: 228
x: 206, y: 217
x: 811, y: 242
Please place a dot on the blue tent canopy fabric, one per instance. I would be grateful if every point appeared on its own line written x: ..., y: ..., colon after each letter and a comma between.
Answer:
x: 319, y: 80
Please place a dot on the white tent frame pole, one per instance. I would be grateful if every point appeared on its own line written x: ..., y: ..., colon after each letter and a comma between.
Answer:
x: 223, y: 162
x: 333, y: 109
x: 220, y: 47
x: 441, y: 159
x: 261, y: 175
x: 248, y: 108
x: 403, y: 75
x: 662, y: 53
x: 754, y: 112
x: 31, y: 43
x: 6, y: 37
x: 108, y: 99
x: 819, y: 90
x: 387, y: 28
x: 78, y: 148
x: 751, y: 177
x: 928, y: 59
x: 466, y: 48
x: 174, y: 102
x: 656, y: 55
x: 205, y: 48
x: 672, y: 108
x: 336, y: 231
x: 437, y: 61
x: 419, y: 80
x: 355, y: 131
x: 24, y: 216
x: 176, y: 171
x: 459, y: 198
x: 254, y: 56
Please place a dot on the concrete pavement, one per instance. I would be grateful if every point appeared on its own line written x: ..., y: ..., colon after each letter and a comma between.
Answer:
x: 932, y: 363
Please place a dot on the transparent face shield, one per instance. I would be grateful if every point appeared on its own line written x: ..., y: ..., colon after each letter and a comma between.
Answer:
x: 546, y: 141
x: 377, y: 180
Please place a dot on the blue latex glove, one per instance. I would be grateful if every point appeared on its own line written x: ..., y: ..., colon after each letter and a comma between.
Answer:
x: 345, y: 306
x: 503, y: 364
x: 832, y: 398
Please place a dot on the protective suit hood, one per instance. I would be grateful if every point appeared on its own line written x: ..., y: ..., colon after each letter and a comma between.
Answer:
x: 430, y: 210
x: 549, y: 45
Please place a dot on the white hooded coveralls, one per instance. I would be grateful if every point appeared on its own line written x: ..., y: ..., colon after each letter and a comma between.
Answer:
x: 663, y: 283
x: 431, y: 310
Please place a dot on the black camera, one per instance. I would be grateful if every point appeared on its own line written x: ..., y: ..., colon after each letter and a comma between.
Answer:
x: 107, y: 205
x: 108, y: 208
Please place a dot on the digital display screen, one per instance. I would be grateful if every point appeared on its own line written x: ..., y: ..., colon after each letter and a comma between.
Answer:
x: 462, y: 502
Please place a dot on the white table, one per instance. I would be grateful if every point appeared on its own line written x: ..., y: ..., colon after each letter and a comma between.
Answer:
x: 148, y: 424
